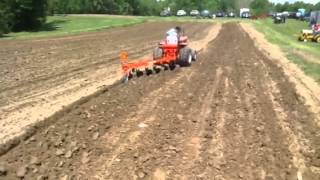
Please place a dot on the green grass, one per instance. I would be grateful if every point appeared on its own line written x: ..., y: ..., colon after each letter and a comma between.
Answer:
x: 65, y: 25
x: 286, y: 36
x: 73, y: 24
x: 311, y: 69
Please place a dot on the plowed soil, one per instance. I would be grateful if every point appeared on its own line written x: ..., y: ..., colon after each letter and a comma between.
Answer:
x: 40, y: 77
x: 232, y: 115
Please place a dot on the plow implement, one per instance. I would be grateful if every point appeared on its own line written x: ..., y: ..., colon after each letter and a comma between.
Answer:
x: 166, y: 55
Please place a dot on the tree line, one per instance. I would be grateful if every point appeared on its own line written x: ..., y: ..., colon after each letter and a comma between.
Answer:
x: 17, y: 15
x: 293, y: 7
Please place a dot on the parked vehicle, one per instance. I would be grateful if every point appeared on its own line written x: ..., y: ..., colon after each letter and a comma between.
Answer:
x: 231, y: 14
x: 292, y: 15
x: 285, y: 13
x: 206, y: 14
x: 314, y: 18
x: 301, y: 14
x: 165, y: 13
x: 279, y: 18
x: 246, y: 15
x: 244, y: 12
x: 220, y: 14
x: 194, y: 13
x: 307, y: 17
x: 181, y: 13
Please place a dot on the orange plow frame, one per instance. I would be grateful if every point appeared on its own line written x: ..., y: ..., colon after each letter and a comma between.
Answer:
x: 170, y: 55
x: 127, y: 66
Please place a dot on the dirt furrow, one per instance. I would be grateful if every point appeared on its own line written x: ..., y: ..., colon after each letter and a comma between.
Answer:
x: 199, y: 133
x: 212, y: 142
x: 300, y: 130
x: 247, y: 134
x: 127, y: 136
x: 81, y: 69
x: 133, y: 141
x: 231, y: 115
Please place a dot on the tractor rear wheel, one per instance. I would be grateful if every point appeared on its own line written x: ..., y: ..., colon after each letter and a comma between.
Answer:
x: 318, y: 39
x: 185, y: 56
x: 157, y: 53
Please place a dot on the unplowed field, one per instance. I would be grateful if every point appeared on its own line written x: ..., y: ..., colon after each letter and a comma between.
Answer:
x: 232, y: 115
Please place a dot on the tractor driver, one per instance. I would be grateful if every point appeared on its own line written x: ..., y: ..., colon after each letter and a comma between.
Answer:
x: 316, y: 28
x: 173, y: 35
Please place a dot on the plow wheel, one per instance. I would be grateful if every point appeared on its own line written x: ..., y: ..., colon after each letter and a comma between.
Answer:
x: 166, y: 67
x: 127, y: 77
x: 148, y: 71
x: 139, y: 73
x: 172, y: 66
x: 156, y: 69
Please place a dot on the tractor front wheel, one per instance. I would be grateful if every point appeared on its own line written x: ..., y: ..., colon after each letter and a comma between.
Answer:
x: 301, y: 38
x: 157, y: 53
x: 185, y: 56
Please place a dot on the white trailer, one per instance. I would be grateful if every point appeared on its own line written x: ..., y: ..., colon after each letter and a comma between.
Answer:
x: 315, y: 17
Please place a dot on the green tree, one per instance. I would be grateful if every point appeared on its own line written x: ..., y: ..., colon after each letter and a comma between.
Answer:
x: 27, y: 14
x: 260, y: 7
x: 295, y: 6
x: 317, y: 6
x: 226, y: 5
x: 278, y: 8
x: 153, y: 7
x: 242, y: 4
x: 5, y: 17
x: 148, y: 7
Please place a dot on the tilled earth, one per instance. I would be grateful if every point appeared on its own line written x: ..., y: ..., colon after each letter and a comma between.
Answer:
x: 232, y: 115
x: 41, y: 76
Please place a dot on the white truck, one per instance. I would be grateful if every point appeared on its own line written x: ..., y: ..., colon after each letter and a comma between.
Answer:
x: 244, y: 12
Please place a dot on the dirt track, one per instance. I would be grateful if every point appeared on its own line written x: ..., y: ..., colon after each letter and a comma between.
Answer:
x: 232, y: 115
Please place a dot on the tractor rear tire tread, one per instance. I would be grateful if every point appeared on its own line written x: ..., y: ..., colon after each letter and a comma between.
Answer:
x: 185, y: 56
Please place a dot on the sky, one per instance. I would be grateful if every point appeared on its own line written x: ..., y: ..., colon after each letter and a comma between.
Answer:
x: 306, y: 1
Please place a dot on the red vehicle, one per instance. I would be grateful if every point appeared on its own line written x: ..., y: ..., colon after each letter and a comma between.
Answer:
x: 316, y: 28
x: 167, y: 55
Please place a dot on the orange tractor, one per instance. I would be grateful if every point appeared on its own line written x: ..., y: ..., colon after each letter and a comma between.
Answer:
x: 169, y: 53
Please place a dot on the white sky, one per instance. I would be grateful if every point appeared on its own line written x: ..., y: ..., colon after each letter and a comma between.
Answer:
x: 307, y: 1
